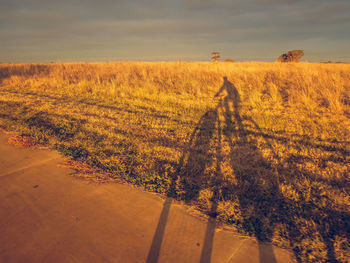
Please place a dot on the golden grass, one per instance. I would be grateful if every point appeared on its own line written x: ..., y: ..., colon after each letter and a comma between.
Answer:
x: 271, y: 160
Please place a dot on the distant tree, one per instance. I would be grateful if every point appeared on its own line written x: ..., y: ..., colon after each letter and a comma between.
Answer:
x: 215, y: 56
x: 291, y: 56
x: 229, y: 60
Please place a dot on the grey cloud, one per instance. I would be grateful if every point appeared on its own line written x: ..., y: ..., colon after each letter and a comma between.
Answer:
x: 95, y: 28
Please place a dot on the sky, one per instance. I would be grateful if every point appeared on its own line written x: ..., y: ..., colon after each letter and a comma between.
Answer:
x: 172, y: 30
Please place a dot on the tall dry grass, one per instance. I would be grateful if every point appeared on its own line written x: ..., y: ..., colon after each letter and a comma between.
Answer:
x: 274, y: 161
x: 312, y: 86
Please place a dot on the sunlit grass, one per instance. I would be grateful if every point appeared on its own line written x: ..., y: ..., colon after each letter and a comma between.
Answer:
x: 276, y: 166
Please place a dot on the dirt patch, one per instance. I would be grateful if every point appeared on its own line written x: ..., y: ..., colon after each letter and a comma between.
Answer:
x: 90, y: 173
x: 24, y: 141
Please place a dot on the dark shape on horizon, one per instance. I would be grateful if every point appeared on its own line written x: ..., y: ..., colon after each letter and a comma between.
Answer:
x: 215, y: 56
x: 291, y: 56
x: 229, y: 60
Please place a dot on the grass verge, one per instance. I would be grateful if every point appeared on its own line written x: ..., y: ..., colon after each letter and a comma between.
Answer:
x: 268, y: 155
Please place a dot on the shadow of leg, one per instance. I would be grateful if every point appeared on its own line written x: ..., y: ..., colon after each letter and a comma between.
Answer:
x: 209, y: 237
x: 330, y: 248
x: 153, y: 253
x: 208, y: 241
x: 266, y: 254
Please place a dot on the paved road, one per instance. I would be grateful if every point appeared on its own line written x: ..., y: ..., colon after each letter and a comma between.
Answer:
x: 46, y: 215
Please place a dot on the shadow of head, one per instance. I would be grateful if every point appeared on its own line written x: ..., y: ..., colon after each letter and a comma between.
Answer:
x: 231, y: 92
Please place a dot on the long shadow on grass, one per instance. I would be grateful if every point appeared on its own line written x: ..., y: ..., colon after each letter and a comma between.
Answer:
x: 262, y: 204
x: 191, y: 171
x: 329, y: 146
x: 199, y: 170
x: 251, y: 184
x: 256, y: 185
x: 224, y: 138
x: 67, y: 135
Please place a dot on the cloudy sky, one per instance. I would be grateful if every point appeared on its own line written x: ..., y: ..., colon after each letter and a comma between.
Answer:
x: 153, y: 30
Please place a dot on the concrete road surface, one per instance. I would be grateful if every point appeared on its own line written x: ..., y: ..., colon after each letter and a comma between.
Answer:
x: 46, y: 215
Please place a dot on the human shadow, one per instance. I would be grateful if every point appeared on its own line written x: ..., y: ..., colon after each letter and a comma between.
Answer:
x: 258, y: 186
x: 153, y: 254
x: 255, y: 181
x: 192, y: 175
x: 199, y: 170
x: 224, y: 138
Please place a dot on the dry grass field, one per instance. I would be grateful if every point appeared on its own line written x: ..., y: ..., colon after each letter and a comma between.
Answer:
x: 265, y: 150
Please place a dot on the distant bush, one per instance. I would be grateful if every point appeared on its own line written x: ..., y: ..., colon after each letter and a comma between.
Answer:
x: 291, y: 56
x: 229, y: 60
